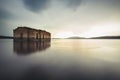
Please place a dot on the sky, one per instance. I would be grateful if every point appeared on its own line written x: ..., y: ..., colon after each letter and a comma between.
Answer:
x: 63, y: 18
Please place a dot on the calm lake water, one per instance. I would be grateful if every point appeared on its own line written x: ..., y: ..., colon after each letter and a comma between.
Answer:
x: 62, y: 59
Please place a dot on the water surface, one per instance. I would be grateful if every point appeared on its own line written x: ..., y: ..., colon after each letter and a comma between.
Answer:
x: 61, y: 59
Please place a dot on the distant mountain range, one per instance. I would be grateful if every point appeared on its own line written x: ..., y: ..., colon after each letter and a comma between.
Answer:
x: 76, y: 37
x: 73, y: 37
x: 101, y: 37
x: 6, y: 37
x: 106, y: 37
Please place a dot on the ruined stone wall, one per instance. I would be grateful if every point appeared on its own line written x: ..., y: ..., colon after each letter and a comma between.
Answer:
x: 48, y: 35
x: 21, y: 33
x: 31, y: 34
x: 42, y: 34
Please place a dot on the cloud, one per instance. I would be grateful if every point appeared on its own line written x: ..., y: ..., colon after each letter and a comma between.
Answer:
x: 36, y: 5
x: 73, y: 4
x: 39, y: 5
x: 4, y: 14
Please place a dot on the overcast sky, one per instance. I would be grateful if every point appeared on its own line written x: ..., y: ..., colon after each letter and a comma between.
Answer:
x: 70, y: 17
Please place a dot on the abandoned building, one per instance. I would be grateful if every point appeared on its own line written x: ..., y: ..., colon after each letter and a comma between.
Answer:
x: 26, y: 33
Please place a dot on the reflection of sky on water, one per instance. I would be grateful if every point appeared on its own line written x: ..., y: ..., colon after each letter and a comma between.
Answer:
x: 64, y: 60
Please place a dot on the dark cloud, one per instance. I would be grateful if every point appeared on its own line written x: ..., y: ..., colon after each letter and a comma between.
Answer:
x: 4, y: 14
x: 39, y: 5
x: 74, y: 4
x: 35, y: 5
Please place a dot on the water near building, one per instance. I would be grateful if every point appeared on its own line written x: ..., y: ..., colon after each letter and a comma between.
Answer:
x: 60, y: 59
x: 27, y: 47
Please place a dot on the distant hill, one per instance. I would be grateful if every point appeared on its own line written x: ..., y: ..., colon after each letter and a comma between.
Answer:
x: 101, y: 37
x: 76, y: 37
x: 6, y: 37
x: 106, y: 37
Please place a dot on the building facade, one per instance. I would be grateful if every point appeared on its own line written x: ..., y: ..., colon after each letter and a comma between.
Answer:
x: 26, y: 33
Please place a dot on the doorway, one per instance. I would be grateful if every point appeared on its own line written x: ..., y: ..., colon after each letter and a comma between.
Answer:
x: 21, y: 36
x: 36, y: 35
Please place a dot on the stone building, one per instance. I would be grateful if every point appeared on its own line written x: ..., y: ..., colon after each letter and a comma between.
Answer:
x: 26, y: 33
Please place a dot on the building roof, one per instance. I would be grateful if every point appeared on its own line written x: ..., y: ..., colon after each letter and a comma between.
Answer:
x: 27, y: 28
x: 30, y: 29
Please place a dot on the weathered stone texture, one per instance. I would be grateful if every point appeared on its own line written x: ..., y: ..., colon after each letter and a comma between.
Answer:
x: 22, y: 33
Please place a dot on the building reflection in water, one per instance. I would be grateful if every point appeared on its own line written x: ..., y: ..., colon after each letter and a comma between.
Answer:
x: 27, y: 47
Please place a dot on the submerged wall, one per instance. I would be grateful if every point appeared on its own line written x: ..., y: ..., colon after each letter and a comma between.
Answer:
x: 26, y: 33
